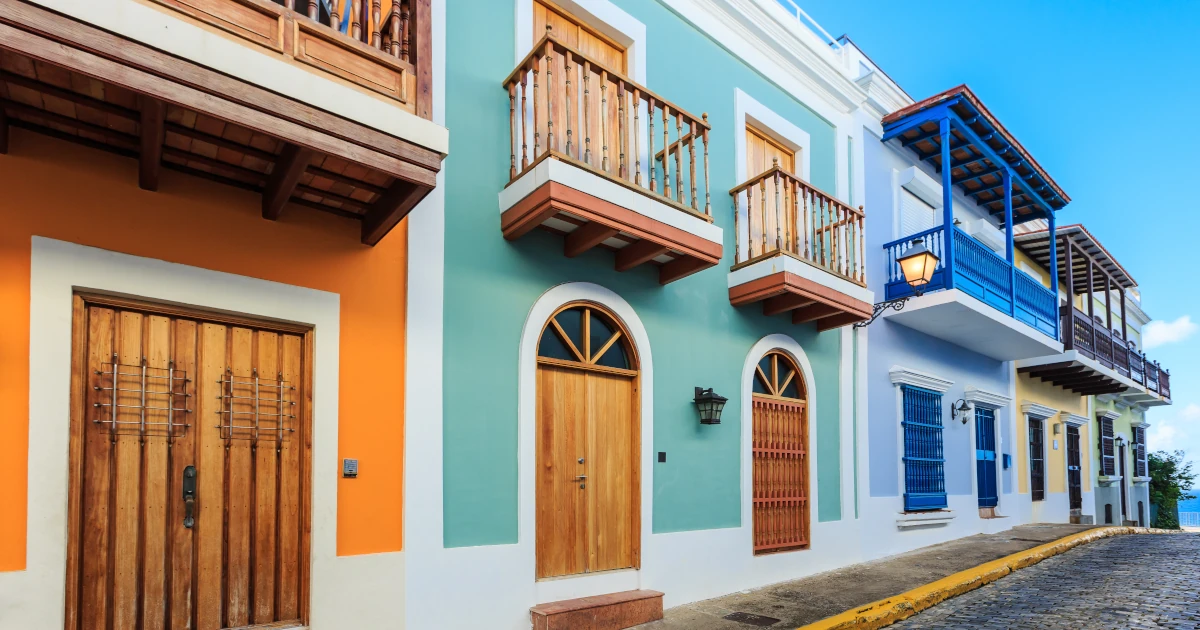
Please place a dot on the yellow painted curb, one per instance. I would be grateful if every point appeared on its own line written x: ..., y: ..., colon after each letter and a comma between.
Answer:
x: 885, y: 612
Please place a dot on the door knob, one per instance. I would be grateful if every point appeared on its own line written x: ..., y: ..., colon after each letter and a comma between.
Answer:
x: 189, y: 496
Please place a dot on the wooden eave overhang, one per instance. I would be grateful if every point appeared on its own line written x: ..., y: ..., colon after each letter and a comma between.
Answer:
x: 1037, y: 246
x: 70, y: 80
x: 1077, y: 377
x: 981, y: 148
x: 805, y: 300
x: 586, y: 222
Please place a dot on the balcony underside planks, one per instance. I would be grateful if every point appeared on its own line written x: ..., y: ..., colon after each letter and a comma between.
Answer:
x: 65, y: 79
x: 588, y: 222
x: 1077, y: 377
x: 806, y: 300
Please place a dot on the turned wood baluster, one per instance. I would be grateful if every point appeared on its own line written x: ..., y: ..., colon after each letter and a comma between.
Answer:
x: 788, y: 217
x: 537, y: 130
x: 835, y: 234
x: 679, y: 157
x: 376, y: 8
x: 637, y: 140
x: 666, y: 150
x: 737, y: 233
x: 604, y: 120
x: 549, y: 93
x: 750, y: 222
x: 587, y: 121
x: 334, y: 18
x: 394, y: 33
x: 524, y: 126
x: 650, y: 153
x: 692, y: 160
x: 762, y: 210
x: 862, y: 267
x: 778, y: 206
x: 314, y: 13
x: 794, y: 188
x: 290, y: 4
x: 707, y: 198
x: 512, y: 130
x: 355, y: 20
x: 405, y: 19
x: 569, y: 61
x: 622, y: 172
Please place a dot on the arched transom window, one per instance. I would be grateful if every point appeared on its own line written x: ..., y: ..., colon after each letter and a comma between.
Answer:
x: 778, y: 376
x: 584, y: 334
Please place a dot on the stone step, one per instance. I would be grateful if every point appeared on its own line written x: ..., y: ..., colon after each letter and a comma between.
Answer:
x: 1082, y: 519
x: 614, y: 611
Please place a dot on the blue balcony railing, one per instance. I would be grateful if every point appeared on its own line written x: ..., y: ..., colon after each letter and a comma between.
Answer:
x: 979, y: 272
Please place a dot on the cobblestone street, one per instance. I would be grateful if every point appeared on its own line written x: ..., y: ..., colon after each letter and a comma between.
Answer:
x: 1146, y: 581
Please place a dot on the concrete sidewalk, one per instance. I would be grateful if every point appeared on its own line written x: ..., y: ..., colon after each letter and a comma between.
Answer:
x: 803, y: 601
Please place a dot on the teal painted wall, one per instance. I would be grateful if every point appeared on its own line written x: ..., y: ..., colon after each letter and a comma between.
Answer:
x: 696, y: 337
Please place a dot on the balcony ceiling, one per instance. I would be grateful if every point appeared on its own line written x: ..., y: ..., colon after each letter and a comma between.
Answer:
x: 1075, y: 372
x: 1037, y: 246
x: 980, y: 148
x: 130, y: 100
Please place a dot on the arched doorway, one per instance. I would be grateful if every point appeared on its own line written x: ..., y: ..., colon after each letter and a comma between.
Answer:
x: 780, y: 452
x: 588, y: 441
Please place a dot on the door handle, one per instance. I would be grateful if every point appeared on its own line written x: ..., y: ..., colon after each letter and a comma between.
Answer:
x: 580, y: 477
x: 189, y: 496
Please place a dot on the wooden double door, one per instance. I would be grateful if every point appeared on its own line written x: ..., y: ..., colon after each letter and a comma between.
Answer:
x: 588, y: 483
x: 190, y: 455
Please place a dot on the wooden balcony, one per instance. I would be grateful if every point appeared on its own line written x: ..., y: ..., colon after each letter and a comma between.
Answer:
x: 800, y: 252
x: 1097, y: 361
x: 76, y: 82
x: 583, y: 164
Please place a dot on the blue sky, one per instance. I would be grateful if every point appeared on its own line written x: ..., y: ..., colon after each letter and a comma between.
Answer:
x: 1104, y: 95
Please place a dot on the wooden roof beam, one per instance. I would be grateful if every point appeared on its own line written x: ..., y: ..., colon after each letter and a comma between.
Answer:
x: 153, y: 131
x: 284, y: 178
x: 387, y: 211
x: 783, y: 303
x: 637, y: 253
x: 587, y: 236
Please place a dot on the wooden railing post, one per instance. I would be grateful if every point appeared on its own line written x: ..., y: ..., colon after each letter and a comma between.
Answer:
x: 707, y: 193
x: 737, y: 232
x: 524, y: 126
x: 637, y: 139
x: 762, y: 204
x: 567, y: 70
x: 537, y: 130
x: 376, y: 9
x: 587, y: 121
x: 604, y: 120
x: 679, y: 156
x: 778, y: 206
x: 549, y: 93
x: 622, y: 172
x: 666, y: 151
x: 692, y: 160
x: 512, y: 131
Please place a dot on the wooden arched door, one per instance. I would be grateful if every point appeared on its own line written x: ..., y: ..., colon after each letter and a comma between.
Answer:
x: 780, y: 451
x: 588, y: 444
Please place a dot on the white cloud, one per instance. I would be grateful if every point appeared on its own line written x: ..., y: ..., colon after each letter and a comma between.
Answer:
x: 1160, y: 333
x: 1179, y: 431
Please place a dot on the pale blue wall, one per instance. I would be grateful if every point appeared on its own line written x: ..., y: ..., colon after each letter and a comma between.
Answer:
x: 891, y: 345
x: 696, y: 337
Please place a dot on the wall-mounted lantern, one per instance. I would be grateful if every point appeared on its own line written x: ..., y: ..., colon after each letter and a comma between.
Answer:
x: 1120, y: 442
x: 918, y: 265
x: 960, y: 408
x: 709, y: 405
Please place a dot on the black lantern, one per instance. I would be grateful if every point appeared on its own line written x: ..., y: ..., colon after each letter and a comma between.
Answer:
x: 1120, y: 442
x: 710, y: 405
x: 918, y: 264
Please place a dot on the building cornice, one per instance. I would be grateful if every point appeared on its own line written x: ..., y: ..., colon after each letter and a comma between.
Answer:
x: 882, y: 97
x: 916, y: 378
x: 984, y: 398
x: 800, y: 53
x: 1105, y: 414
x: 1038, y: 410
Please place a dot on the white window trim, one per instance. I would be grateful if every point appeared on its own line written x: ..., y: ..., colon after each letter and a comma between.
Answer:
x: 917, y: 378
x: 748, y: 110
x: 983, y: 398
x: 603, y: 16
x: 1074, y: 420
x: 1036, y: 410
x: 1045, y: 455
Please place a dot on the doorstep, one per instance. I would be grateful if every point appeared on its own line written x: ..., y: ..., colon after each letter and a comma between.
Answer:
x: 614, y: 611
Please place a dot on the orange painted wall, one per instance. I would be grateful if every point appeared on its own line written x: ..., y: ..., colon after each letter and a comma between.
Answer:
x: 64, y: 191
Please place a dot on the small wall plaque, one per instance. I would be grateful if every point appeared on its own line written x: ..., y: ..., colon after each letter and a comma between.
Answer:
x: 350, y: 468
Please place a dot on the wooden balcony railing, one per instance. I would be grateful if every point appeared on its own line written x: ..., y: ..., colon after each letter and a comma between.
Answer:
x: 787, y: 214
x: 378, y: 45
x: 1094, y: 340
x: 566, y: 105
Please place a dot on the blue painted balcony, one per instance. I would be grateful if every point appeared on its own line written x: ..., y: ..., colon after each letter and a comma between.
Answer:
x: 977, y: 299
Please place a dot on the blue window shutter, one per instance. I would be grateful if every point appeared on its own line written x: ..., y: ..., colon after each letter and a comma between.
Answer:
x: 924, y: 459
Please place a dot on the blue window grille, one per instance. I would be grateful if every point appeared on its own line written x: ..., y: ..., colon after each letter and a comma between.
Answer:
x: 924, y: 460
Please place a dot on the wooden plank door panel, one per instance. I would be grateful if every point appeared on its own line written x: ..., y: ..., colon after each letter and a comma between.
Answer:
x: 132, y: 562
x: 611, y: 494
x: 561, y: 441
x: 780, y: 474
